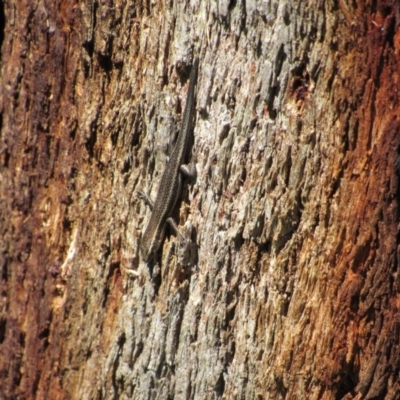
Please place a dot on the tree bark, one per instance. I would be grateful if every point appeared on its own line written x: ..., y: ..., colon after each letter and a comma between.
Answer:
x: 290, y: 288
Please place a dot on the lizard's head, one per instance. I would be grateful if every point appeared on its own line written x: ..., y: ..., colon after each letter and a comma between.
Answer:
x: 150, y: 245
x: 147, y: 251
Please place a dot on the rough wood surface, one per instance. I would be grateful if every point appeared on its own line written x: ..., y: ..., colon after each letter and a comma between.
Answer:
x: 292, y: 289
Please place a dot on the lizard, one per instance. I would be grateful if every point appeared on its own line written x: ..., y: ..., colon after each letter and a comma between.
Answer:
x: 170, y: 184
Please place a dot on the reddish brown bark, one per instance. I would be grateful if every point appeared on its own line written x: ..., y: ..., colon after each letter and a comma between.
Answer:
x: 295, y: 288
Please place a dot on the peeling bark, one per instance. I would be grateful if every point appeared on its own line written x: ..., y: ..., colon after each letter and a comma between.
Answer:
x: 291, y: 288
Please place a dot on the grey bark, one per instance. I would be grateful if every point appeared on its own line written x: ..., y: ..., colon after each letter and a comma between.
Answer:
x: 290, y: 287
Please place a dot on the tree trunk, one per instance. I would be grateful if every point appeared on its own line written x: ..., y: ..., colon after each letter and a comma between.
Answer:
x: 289, y: 288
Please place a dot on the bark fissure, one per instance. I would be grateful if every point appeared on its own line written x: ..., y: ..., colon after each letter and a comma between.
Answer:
x: 290, y: 285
